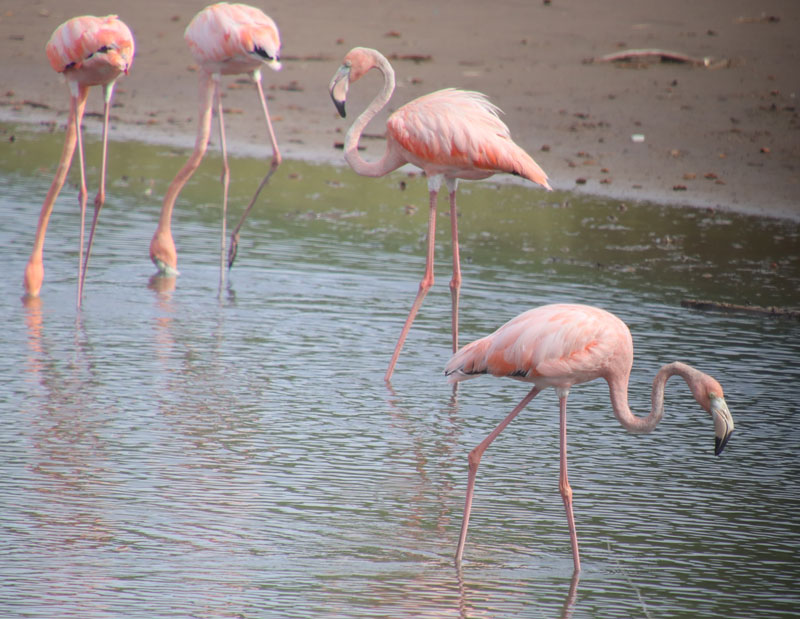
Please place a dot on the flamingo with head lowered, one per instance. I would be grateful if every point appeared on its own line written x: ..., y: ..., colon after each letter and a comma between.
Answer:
x: 451, y: 134
x: 224, y: 39
x: 88, y: 51
x: 564, y: 345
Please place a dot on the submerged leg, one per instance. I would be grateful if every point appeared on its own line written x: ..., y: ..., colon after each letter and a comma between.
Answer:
x: 563, y: 482
x: 276, y: 161
x: 424, y: 285
x: 475, y: 460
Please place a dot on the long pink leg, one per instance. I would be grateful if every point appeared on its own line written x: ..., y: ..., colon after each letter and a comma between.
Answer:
x: 563, y: 482
x: 455, y: 283
x: 424, y: 285
x: 34, y: 271
x: 475, y: 460
x: 82, y: 191
x: 226, y: 177
x: 100, y: 198
x: 276, y: 161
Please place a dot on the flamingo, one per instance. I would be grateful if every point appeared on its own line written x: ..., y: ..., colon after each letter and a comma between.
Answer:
x: 563, y: 345
x: 449, y: 134
x: 88, y: 51
x: 224, y: 39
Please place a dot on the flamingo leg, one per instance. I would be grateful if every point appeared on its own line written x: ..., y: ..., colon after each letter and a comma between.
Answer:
x: 455, y: 283
x: 82, y: 94
x: 276, y: 161
x: 100, y: 198
x: 563, y: 483
x: 34, y: 271
x: 225, y: 178
x: 475, y: 460
x: 162, y: 244
x: 424, y: 285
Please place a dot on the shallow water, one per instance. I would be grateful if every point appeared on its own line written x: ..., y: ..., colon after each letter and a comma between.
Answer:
x: 168, y: 452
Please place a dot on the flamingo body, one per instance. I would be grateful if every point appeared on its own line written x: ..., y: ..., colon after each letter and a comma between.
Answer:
x: 88, y: 51
x: 551, y: 346
x: 451, y: 134
x: 458, y: 134
x: 564, y: 345
x: 92, y: 50
x: 233, y: 38
x: 224, y: 39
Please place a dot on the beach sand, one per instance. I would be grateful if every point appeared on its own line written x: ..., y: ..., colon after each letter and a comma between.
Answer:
x: 725, y: 134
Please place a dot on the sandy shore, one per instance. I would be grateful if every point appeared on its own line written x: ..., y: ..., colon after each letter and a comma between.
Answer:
x: 725, y: 135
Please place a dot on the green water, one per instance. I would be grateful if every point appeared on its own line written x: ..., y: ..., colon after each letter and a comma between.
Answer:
x: 169, y: 452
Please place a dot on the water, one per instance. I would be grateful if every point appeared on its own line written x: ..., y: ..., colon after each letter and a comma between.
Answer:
x: 168, y: 452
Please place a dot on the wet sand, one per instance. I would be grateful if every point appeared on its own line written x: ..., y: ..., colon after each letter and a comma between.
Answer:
x: 722, y: 134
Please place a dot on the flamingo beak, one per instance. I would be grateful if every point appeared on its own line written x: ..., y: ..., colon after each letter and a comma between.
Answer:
x: 338, y: 88
x: 723, y: 423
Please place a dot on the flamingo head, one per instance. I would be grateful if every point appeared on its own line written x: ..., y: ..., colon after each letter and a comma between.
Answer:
x: 163, y: 253
x: 356, y: 63
x: 723, y: 421
x: 708, y: 393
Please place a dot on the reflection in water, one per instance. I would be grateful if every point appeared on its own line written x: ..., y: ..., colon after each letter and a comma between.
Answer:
x: 67, y: 458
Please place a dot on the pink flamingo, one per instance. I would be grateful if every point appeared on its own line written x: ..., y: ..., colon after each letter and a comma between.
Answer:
x: 450, y: 134
x: 225, y: 39
x: 88, y: 51
x: 563, y: 345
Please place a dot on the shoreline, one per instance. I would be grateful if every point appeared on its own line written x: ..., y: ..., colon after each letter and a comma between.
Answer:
x: 293, y: 152
x: 725, y: 137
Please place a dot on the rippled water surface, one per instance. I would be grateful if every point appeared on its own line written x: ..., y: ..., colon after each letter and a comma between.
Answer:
x: 171, y: 452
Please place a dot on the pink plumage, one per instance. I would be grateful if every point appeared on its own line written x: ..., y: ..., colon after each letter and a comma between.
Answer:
x: 450, y: 134
x: 233, y: 38
x: 459, y: 133
x: 563, y: 345
x: 88, y: 51
x: 104, y: 43
x: 553, y: 346
x: 224, y: 39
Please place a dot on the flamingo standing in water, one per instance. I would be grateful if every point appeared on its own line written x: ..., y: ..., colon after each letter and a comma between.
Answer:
x: 450, y: 134
x: 563, y: 345
x: 225, y: 39
x: 88, y: 51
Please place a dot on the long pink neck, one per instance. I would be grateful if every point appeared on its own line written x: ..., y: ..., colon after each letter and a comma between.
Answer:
x: 390, y: 160
x: 618, y: 388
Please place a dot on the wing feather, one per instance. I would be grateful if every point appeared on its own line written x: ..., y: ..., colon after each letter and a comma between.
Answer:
x: 553, y: 345
x: 459, y: 129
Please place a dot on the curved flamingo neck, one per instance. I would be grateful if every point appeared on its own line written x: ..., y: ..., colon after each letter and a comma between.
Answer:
x: 618, y: 388
x: 390, y: 161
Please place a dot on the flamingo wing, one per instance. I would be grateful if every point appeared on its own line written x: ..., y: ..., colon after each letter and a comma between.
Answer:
x: 451, y: 131
x: 554, y: 345
x: 232, y: 31
x: 80, y: 39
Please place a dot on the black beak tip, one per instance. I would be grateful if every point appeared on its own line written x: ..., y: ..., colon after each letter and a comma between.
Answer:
x: 340, y: 108
x: 719, y: 444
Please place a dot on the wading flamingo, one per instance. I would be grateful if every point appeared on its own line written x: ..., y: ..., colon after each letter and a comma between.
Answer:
x: 563, y: 345
x: 88, y: 51
x: 225, y: 39
x: 450, y: 134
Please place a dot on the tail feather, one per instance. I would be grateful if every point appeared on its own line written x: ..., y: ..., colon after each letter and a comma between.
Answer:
x: 468, y: 362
